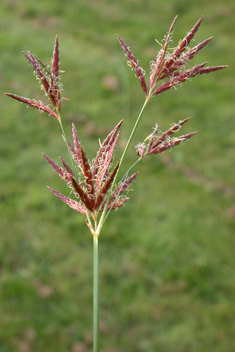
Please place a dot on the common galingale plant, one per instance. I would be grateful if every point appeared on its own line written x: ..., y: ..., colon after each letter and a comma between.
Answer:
x: 95, y: 185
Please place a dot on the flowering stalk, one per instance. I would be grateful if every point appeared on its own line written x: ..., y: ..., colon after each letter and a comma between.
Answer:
x: 170, y: 66
x: 94, y: 184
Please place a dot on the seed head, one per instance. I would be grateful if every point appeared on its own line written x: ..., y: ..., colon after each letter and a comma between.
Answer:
x: 159, y: 142
x: 95, y: 179
x: 171, y: 66
x: 49, y: 80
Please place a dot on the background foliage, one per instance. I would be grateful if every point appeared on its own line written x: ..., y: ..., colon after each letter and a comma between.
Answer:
x: 167, y: 258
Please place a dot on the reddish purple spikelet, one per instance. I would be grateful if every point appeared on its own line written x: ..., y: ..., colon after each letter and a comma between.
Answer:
x: 114, y: 202
x: 95, y: 180
x: 36, y: 65
x: 63, y: 174
x: 171, y: 66
x: 78, y: 148
x: 49, y: 79
x: 159, y: 142
x: 205, y: 70
x: 55, y: 88
x: 84, y: 166
x: 66, y: 166
x: 56, y: 59
x: 157, y: 68
x: 179, y: 77
x: 134, y: 63
x: 72, y: 203
x: 182, y: 45
x: 106, y: 185
x: 34, y: 104
x: 170, y: 144
x: 105, y: 155
x: 183, y: 59
x: 83, y: 195
x: 124, y: 185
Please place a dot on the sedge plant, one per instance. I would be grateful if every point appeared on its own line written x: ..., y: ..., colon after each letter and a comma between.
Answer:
x: 96, y: 185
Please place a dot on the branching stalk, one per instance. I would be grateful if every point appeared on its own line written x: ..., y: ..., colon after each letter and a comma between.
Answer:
x: 95, y: 189
x: 66, y: 142
x: 103, y: 216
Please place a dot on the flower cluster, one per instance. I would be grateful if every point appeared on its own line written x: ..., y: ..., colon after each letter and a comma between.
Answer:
x: 170, y: 66
x: 94, y: 181
x: 49, y: 80
x: 158, y: 142
x: 94, y: 184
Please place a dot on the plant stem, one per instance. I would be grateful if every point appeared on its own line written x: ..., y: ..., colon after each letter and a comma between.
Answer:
x: 67, y: 145
x: 95, y: 295
x: 103, y: 216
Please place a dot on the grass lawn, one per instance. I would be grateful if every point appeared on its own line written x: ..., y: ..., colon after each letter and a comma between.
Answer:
x: 167, y: 259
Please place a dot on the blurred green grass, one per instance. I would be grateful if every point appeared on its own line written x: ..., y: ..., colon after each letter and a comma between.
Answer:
x: 167, y: 258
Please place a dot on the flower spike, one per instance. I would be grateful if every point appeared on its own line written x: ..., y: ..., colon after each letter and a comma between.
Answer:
x: 134, y: 63
x: 159, y: 142
x: 72, y: 203
x: 95, y: 180
x: 34, y: 104
x: 157, y: 68
x: 171, y: 66
x: 105, y: 155
x: 49, y: 79
x: 56, y: 59
x: 182, y: 45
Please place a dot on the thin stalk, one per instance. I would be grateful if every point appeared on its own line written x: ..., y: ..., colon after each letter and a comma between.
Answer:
x: 103, y: 216
x: 130, y: 168
x: 96, y: 347
x: 129, y: 140
x: 69, y: 151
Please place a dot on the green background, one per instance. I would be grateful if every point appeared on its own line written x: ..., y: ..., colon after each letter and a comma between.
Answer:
x: 167, y: 259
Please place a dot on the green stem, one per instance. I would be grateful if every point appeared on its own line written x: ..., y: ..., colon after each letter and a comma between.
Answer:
x: 95, y: 295
x: 103, y: 216
x: 67, y: 145
x: 132, y: 166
